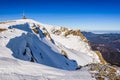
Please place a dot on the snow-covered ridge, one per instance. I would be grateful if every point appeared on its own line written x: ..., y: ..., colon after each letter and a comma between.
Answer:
x: 46, y: 44
x: 29, y: 46
x: 30, y: 50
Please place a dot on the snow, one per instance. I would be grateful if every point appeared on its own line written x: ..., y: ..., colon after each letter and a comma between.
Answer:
x: 14, y: 69
x: 20, y: 44
x: 76, y: 49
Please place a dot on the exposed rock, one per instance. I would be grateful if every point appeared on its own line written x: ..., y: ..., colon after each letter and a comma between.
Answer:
x: 56, y: 32
x: 76, y: 33
x: 36, y: 29
x: 1, y: 30
x: 67, y: 32
x: 46, y: 34
x: 64, y: 53
x: 63, y: 29
x: 101, y: 71
x: 100, y: 78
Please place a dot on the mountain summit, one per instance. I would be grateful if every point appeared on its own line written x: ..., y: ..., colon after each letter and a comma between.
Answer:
x: 24, y: 41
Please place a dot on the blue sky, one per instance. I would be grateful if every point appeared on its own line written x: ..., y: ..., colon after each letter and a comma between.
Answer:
x: 77, y: 14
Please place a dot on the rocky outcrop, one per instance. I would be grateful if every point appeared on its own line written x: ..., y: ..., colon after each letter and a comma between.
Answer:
x: 64, y: 53
x: 101, y: 72
x: 38, y: 28
x: 1, y: 30
x: 35, y: 30
x: 46, y: 34
x: 65, y: 31
x: 76, y: 33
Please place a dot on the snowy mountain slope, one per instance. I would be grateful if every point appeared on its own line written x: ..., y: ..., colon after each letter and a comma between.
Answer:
x: 74, y: 44
x: 80, y: 45
x: 19, y: 39
x: 59, y: 51
x: 15, y: 69
x: 26, y: 45
x: 36, y: 40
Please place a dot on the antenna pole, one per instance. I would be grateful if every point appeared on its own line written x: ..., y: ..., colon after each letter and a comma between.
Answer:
x: 24, y: 15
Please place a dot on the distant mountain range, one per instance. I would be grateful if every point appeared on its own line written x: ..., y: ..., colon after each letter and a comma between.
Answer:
x: 105, y: 31
x: 108, y: 44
